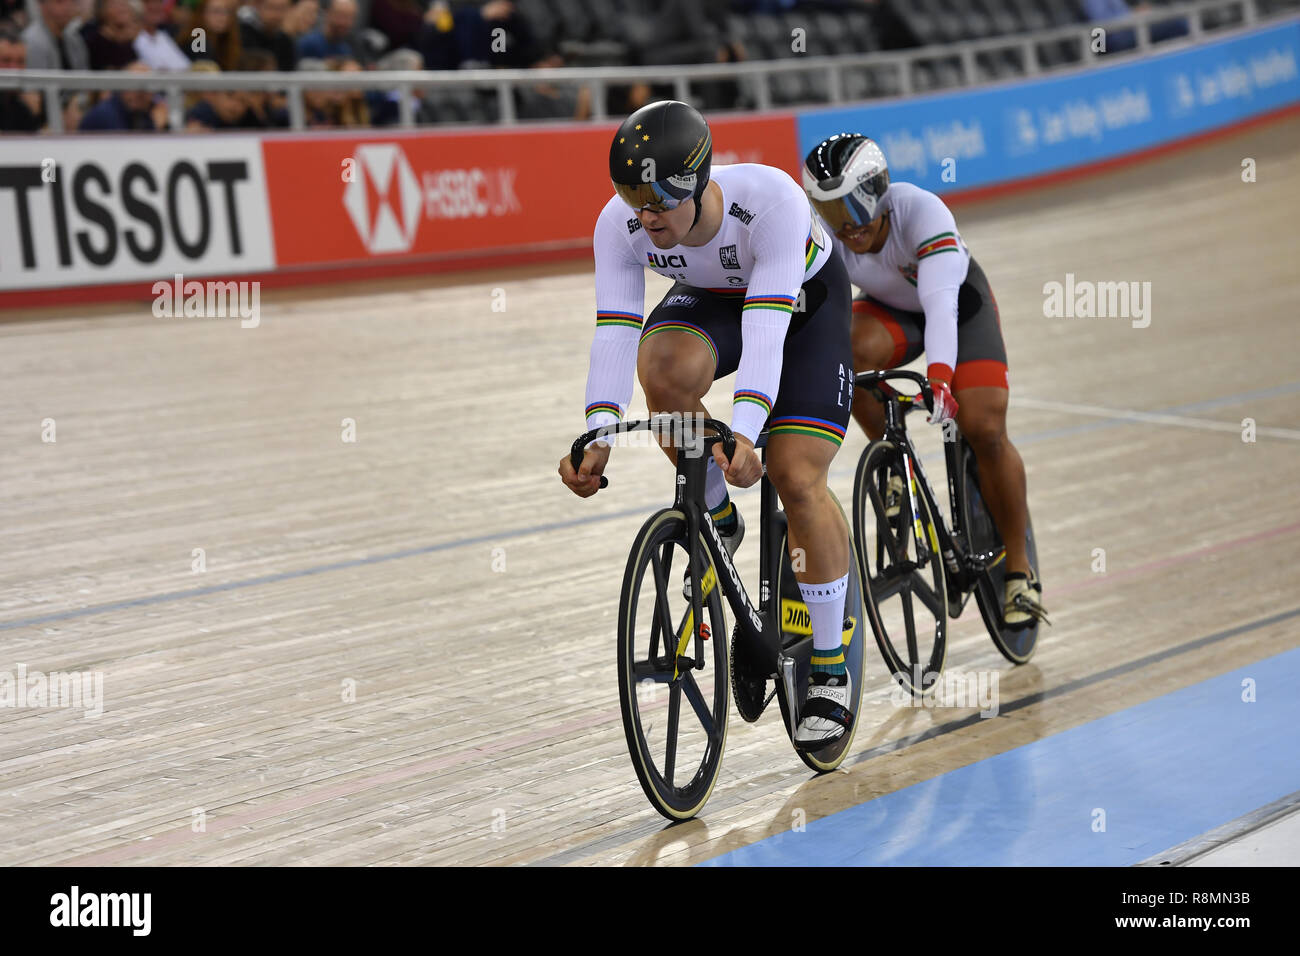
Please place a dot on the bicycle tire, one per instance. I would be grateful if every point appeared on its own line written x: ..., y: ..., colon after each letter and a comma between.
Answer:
x: 982, y: 536
x: 787, y: 588
x: 664, y: 535
x: 880, y: 460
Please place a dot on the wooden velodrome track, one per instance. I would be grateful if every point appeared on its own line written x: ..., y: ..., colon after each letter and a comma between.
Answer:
x: 439, y: 564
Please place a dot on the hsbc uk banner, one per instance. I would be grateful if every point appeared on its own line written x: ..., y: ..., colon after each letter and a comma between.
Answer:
x: 89, y: 211
x: 432, y: 196
x: 351, y: 200
x: 959, y: 141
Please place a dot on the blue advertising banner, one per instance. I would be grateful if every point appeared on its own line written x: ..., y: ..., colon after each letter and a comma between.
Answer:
x: 1028, y: 129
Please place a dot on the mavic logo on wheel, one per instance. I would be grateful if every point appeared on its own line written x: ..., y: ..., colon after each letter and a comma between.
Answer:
x: 383, y: 198
x: 795, y: 617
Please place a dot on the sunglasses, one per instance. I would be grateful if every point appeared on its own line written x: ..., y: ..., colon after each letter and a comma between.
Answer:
x: 846, y: 213
x: 648, y: 197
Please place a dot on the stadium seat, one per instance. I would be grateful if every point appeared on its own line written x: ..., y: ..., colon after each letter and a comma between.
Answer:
x: 833, y: 33
x: 856, y: 84
x: 1030, y: 16
x: 541, y: 19
x: 887, y: 82
x: 1000, y: 15
x: 574, y: 21
x: 860, y: 31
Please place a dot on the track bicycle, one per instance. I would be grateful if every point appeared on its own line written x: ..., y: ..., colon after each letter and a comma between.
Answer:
x: 916, y: 571
x: 665, y: 658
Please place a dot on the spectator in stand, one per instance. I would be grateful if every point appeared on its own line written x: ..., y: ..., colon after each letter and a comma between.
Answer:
x: 20, y: 110
x: 127, y: 110
x: 466, y: 38
x: 320, y: 106
x: 352, y: 108
x: 110, y: 36
x: 437, y: 40
x: 301, y: 20
x: 335, y: 37
x: 52, y: 43
x: 401, y: 20
x: 384, y: 105
x: 154, y: 45
x: 213, y: 109
x: 261, y: 27
x: 482, y: 45
x: 263, y: 109
x: 215, y: 34
x: 547, y: 101
x: 13, y: 15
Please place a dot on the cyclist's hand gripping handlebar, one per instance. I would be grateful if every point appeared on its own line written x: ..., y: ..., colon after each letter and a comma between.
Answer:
x: 580, y: 444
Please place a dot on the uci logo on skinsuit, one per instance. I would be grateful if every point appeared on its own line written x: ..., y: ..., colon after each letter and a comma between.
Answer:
x: 663, y: 262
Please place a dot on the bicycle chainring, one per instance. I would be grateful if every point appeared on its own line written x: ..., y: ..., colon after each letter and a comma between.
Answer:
x: 750, y: 695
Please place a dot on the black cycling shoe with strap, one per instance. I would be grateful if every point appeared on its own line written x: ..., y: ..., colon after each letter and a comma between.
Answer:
x: 825, y: 716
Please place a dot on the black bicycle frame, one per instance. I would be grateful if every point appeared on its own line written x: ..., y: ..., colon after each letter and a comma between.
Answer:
x: 758, y: 625
x: 962, y: 566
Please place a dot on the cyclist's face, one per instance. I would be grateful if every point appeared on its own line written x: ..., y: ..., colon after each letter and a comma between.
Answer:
x: 667, y: 229
x: 861, y: 239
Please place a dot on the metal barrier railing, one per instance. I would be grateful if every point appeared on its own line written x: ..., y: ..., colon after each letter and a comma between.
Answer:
x: 756, y: 74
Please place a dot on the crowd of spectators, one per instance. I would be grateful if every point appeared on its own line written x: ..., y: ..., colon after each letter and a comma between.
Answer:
x: 218, y: 36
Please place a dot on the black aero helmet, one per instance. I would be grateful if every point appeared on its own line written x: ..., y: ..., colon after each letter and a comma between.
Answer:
x: 846, y: 177
x: 661, y: 157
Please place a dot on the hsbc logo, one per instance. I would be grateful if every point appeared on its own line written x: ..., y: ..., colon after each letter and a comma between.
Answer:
x: 383, y: 198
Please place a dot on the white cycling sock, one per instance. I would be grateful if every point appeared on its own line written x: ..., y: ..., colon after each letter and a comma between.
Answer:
x: 826, y: 609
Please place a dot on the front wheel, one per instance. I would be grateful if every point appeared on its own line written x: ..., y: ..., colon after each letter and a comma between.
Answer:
x: 665, y: 661
x: 983, y: 538
x: 907, y: 598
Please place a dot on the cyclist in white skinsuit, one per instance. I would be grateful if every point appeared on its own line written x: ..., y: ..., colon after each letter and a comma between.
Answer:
x: 760, y: 292
x: 922, y: 292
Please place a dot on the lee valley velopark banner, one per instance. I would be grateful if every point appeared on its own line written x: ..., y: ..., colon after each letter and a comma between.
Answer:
x: 1017, y: 131
x: 87, y: 211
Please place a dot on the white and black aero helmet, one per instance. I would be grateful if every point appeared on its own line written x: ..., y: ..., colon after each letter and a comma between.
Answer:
x: 846, y: 178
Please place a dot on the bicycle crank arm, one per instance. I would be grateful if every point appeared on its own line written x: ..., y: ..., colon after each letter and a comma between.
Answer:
x: 785, y: 671
x: 979, y: 563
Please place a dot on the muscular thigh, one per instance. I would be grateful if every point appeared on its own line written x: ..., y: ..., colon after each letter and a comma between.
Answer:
x: 815, y: 397
x: 883, y: 336
x: 689, y: 339
x: 981, y: 352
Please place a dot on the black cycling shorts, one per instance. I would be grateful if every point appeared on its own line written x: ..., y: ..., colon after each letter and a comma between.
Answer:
x: 981, y: 353
x: 815, y: 394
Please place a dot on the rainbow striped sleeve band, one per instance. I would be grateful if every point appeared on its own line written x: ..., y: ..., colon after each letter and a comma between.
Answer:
x: 777, y: 303
x: 757, y: 397
x: 626, y: 320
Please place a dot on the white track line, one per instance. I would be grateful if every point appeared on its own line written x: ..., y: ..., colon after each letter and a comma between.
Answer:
x: 1152, y: 418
